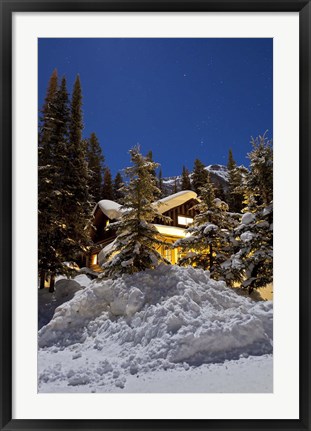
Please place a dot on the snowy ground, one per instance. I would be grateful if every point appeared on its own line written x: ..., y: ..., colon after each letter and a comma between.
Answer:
x: 252, y: 374
x: 168, y: 330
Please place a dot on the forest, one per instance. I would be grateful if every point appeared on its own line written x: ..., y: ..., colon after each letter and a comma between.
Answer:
x: 231, y: 236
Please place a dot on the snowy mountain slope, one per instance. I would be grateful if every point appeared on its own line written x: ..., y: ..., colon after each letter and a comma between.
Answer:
x: 218, y: 173
x: 171, y: 318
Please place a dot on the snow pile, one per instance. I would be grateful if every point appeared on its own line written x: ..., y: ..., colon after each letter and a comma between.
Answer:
x: 248, y: 218
x: 65, y: 289
x: 151, y: 321
x: 247, y: 236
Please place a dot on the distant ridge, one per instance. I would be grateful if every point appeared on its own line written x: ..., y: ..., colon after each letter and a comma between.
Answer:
x: 218, y: 173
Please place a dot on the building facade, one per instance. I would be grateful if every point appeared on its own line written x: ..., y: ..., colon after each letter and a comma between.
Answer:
x: 179, y: 207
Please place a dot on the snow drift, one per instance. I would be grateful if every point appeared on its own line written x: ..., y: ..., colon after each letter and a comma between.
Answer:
x: 65, y: 289
x: 157, y: 319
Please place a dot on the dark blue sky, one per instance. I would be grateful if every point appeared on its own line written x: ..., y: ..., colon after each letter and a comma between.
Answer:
x: 181, y: 98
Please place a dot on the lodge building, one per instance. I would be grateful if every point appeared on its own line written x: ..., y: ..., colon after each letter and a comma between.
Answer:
x: 179, y: 207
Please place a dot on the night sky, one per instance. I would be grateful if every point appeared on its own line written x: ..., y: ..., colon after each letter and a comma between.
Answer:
x: 181, y: 98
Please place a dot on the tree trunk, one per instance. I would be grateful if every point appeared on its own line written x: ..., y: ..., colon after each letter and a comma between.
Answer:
x: 42, y: 279
x: 52, y: 282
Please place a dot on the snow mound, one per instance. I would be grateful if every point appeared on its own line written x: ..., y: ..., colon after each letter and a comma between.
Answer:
x: 248, y: 218
x: 158, y: 318
x: 65, y: 289
x: 247, y: 236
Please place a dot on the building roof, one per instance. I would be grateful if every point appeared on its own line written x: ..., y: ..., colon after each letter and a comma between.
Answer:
x: 174, y: 231
x: 174, y: 200
x: 110, y: 208
x: 113, y: 210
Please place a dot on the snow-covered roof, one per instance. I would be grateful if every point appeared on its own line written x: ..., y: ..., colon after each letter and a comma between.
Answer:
x: 110, y: 208
x: 113, y: 210
x: 174, y: 200
x: 170, y: 230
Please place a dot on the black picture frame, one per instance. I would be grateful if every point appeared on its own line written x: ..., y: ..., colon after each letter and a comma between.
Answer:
x: 7, y: 9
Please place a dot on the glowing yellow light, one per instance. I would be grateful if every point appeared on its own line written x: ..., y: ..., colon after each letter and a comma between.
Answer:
x: 184, y: 221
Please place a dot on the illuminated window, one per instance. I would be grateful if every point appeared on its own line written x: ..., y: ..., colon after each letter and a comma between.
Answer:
x: 94, y: 259
x: 184, y: 221
x: 168, y: 254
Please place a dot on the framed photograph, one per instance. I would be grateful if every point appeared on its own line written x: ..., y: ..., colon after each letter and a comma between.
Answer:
x: 145, y: 283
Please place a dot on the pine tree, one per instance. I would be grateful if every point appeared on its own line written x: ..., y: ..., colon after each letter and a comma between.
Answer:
x: 185, y: 179
x: 207, y: 194
x: 220, y: 193
x: 95, y: 160
x: 118, y: 185
x: 175, y: 190
x: 199, y: 176
x: 63, y: 196
x: 76, y: 121
x: 149, y: 157
x: 60, y: 143
x: 231, y: 162
x: 254, y: 254
x: 260, y: 180
x: 107, y: 190
x: 48, y: 110
x: 77, y: 200
x: 235, y: 179
x: 209, y: 244
x: 160, y: 184
x: 135, y: 246
x: 255, y: 251
x: 53, y: 141
x: 46, y: 254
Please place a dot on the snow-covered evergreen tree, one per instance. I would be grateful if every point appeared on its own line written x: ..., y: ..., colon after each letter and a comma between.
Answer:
x: 199, y: 176
x: 118, y: 185
x: 47, y: 121
x: 260, y: 180
x: 107, y: 190
x: 134, y: 248
x: 209, y: 243
x: 235, y: 179
x: 46, y: 174
x: 254, y: 254
x: 52, y: 159
x: 149, y: 156
x: 185, y: 179
x: 160, y: 183
x: 63, y: 181
x: 77, y: 203
x: 220, y: 192
x: 95, y: 160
